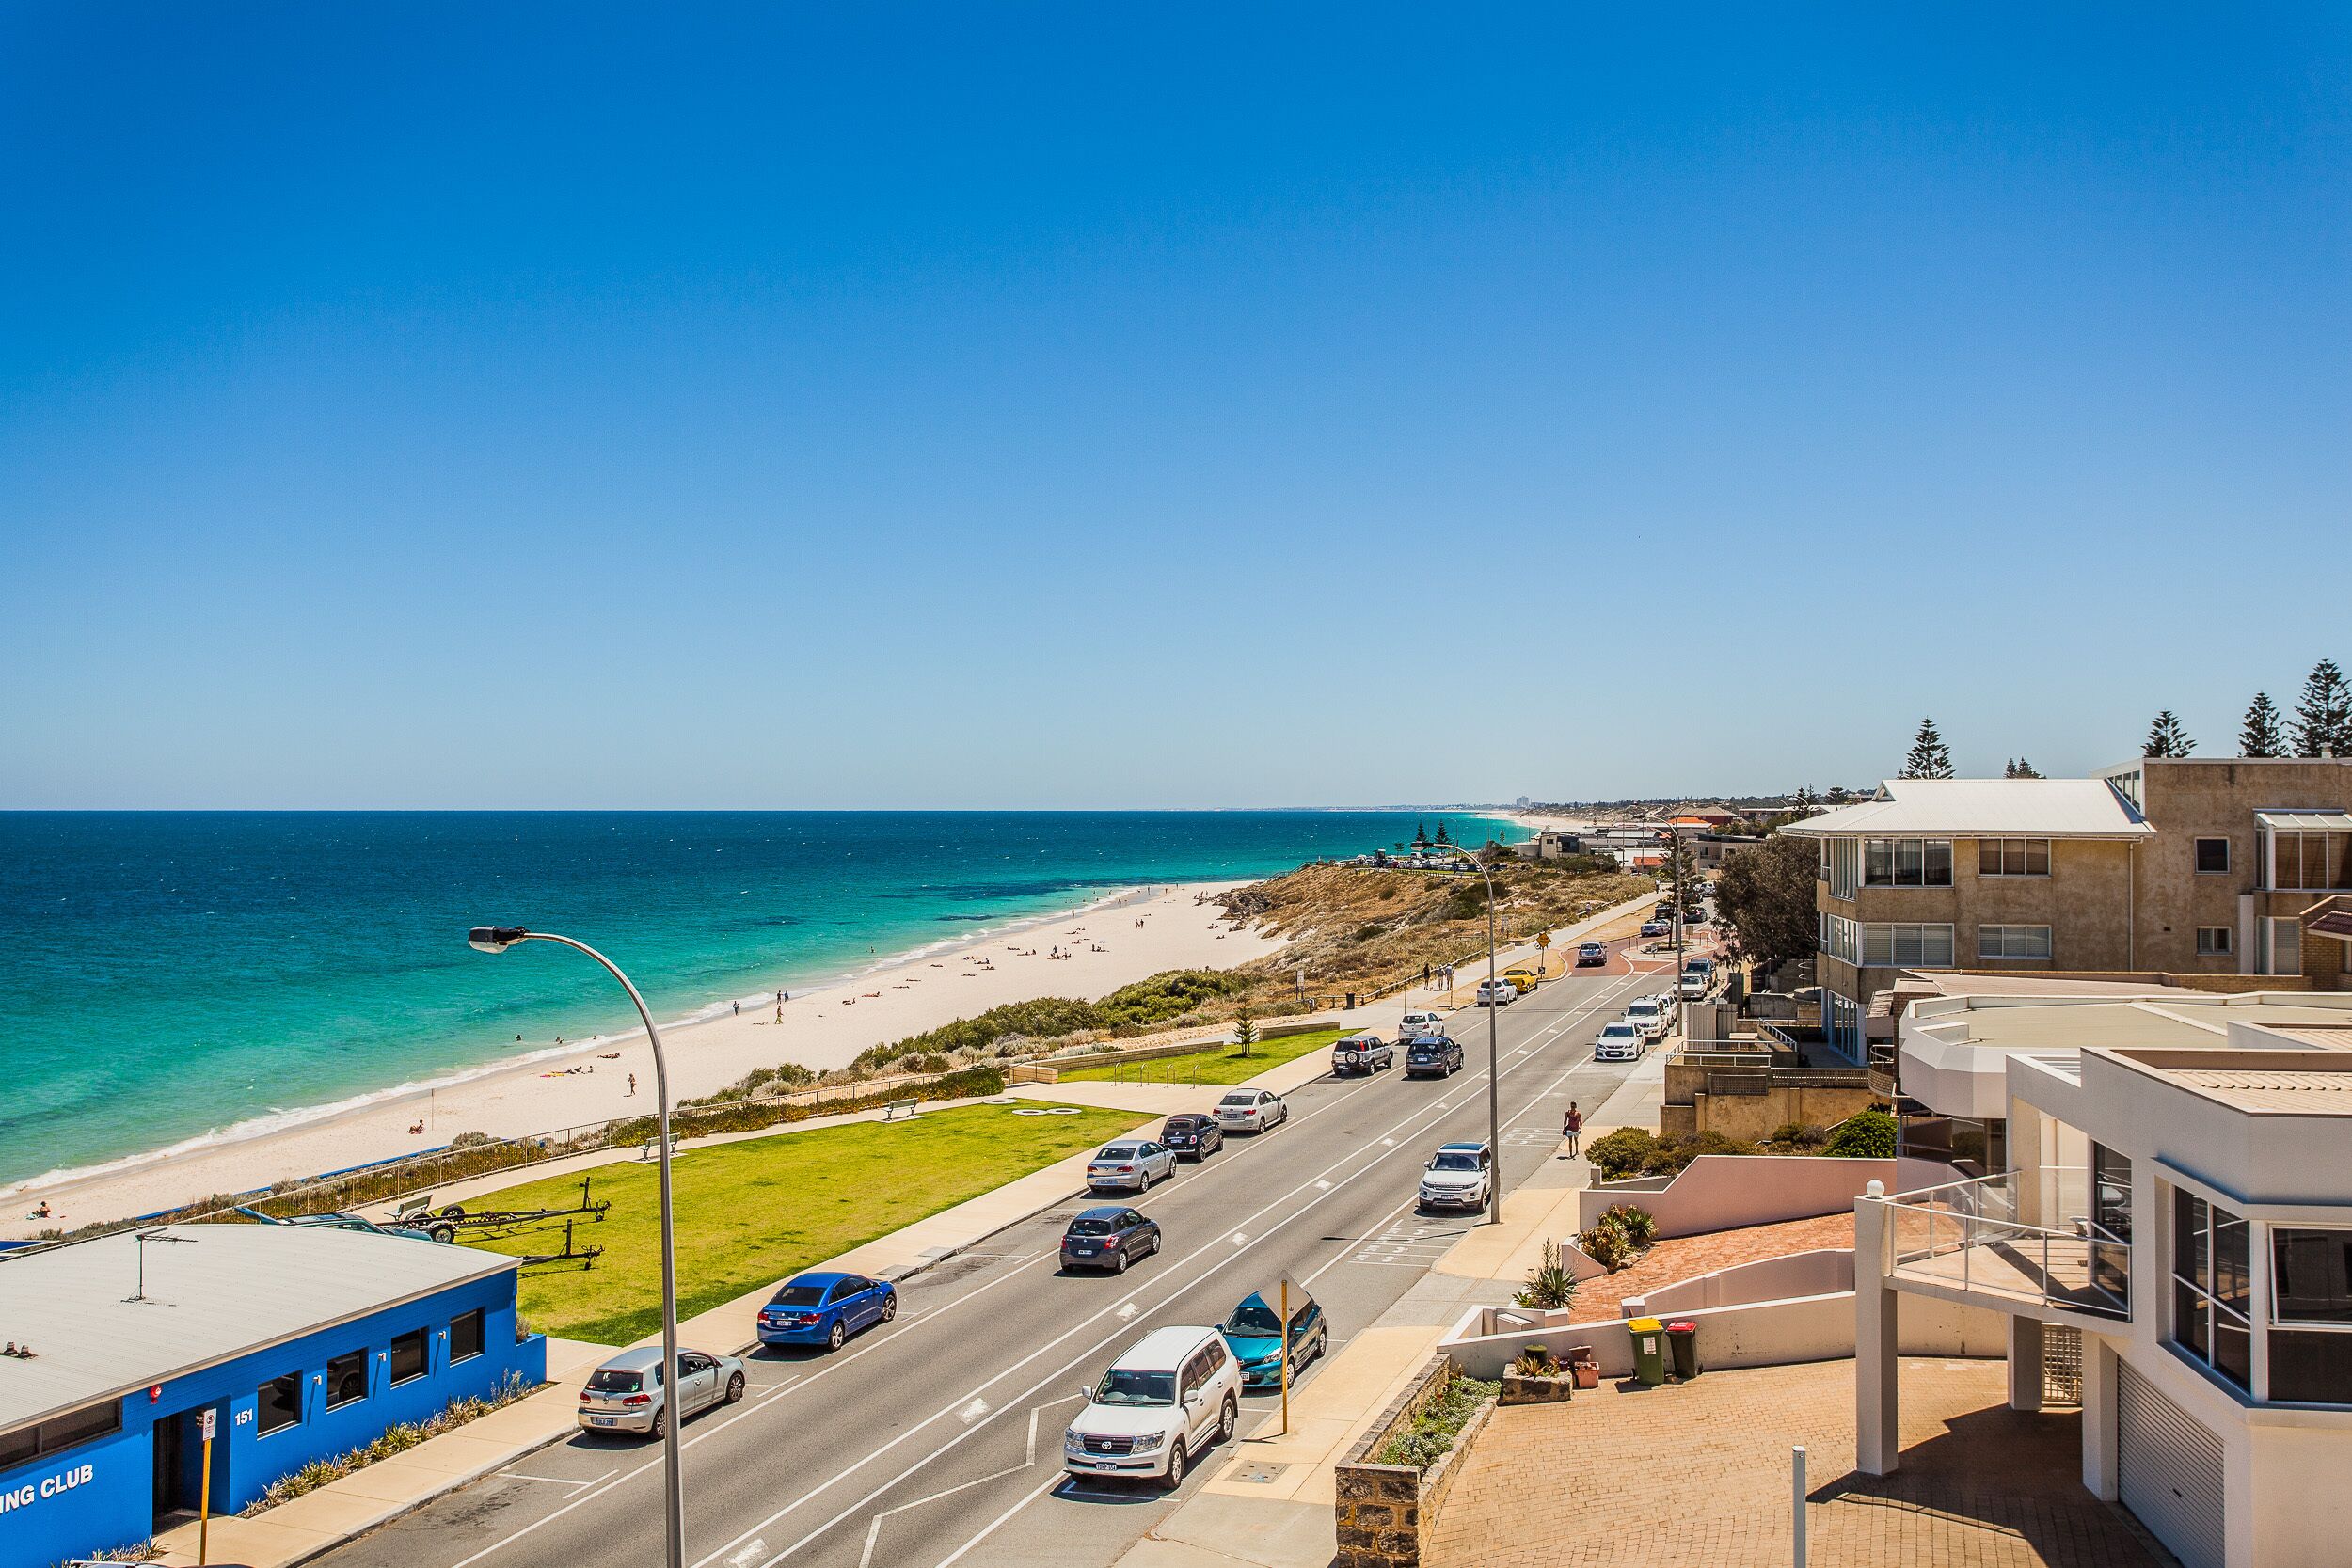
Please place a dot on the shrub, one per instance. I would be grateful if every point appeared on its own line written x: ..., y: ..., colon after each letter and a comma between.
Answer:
x: 1536, y: 1361
x: 1640, y: 1228
x: 1619, y: 1154
x: 1550, y: 1283
x: 1798, y: 1135
x: 1668, y: 1156
x: 1864, y: 1136
x: 1608, y: 1245
x: 1432, y: 1428
x: 469, y: 1140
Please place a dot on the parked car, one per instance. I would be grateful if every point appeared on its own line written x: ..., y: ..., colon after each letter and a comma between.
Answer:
x: 625, y: 1393
x: 1254, y: 1334
x: 1109, y: 1236
x: 1648, y: 1015
x: 1691, y: 985
x: 1658, y: 927
x: 1620, y: 1043
x: 1251, y: 1110
x: 1130, y: 1163
x: 1591, y: 953
x: 1173, y: 1393
x: 1497, y: 993
x: 1361, y: 1052
x: 1416, y: 1024
x: 1524, y: 978
x: 1433, y: 1057
x: 825, y: 1309
x: 1194, y: 1135
x: 1458, y: 1176
x: 1703, y: 968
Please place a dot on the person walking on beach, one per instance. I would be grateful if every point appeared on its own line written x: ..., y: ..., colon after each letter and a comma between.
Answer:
x: 738, y: 1009
x: 632, y: 1085
x: 1572, y: 1127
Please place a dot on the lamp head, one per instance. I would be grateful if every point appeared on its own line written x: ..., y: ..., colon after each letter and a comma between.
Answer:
x: 494, y: 939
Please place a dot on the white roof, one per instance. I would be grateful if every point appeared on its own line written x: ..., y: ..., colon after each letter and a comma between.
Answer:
x: 2306, y: 821
x: 1163, y: 1350
x: 1983, y: 808
x: 214, y: 1292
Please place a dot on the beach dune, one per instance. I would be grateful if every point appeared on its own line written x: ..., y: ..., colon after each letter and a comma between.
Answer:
x: 1111, y: 944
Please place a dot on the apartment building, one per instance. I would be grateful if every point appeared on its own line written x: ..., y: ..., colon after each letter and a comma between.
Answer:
x: 2173, y: 867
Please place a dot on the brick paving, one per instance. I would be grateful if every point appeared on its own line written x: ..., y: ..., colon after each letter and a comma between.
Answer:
x: 1697, y: 1474
x: 1669, y: 1262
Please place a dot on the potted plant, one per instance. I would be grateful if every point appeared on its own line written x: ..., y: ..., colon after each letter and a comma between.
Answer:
x: 1535, y: 1378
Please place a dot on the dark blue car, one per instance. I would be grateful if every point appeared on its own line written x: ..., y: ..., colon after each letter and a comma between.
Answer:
x: 825, y: 1309
x: 1109, y: 1236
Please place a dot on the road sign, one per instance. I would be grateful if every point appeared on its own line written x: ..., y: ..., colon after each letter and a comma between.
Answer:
x: 207, y: 1423
x: 1543, y: 939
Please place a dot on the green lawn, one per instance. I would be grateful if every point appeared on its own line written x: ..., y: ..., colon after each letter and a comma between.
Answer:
x: 1221, y: 1064
x: 754, y: 1211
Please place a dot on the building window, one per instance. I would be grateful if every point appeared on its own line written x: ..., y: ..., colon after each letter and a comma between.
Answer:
x: 408, y: 1357
x: 1841, y: 865
x: 1907, y: 863
x: 1907, y: 946
x: 2312, y: 1287
x: 277, y: 1403
x: 2212, y: 1286
x: 59, y: 1433
x: 2013, y: 942
x: 2213, y: 856
x: 464, y: 1336
x: 1841, y: 938
x: 2310, y: 862
x: 2111, y: 1225
x: 2013, y: 857
x: 2213, y: 941
x: 346, y: 1380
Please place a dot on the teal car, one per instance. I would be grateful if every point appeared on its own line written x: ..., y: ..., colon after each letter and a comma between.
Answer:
x: 1253, y: 1334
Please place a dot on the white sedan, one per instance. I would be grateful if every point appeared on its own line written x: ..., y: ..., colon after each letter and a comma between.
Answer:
x: 1251, y: 1110
x: 1134, y: 1163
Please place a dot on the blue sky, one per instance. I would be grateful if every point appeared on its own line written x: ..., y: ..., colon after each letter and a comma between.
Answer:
x: 1110, y: 405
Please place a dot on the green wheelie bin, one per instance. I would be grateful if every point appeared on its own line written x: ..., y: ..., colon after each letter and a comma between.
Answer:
x: 1649, y: 1351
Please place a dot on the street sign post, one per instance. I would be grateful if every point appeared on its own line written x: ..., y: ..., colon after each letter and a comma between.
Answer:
x: 204, y: 1426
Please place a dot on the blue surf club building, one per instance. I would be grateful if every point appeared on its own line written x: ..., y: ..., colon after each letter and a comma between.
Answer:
x: 304, y: 1341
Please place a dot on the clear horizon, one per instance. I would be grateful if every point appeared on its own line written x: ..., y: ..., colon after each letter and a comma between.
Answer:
x: 743, y: 409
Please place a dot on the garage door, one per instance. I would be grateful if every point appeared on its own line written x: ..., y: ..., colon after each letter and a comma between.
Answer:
x: 2169, y: 1469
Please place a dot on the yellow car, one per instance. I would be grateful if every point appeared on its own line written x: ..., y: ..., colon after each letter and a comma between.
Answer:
x: 1524, y: 979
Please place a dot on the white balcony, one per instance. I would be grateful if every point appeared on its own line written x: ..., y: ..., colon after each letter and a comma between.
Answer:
x: 1980, y: 1242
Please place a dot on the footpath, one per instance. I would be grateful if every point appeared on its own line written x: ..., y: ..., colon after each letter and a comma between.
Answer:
x: 308, y: 1526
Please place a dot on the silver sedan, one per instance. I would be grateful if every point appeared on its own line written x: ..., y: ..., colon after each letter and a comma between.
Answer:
x: 625, y: 1393
x: 1132, y: 1164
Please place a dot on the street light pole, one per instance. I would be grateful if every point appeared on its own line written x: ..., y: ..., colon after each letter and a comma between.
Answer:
x: 1494, y: 1052
x: 498, y: 939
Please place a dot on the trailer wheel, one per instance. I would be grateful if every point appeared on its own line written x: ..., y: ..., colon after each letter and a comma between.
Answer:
x: 453, y: 1211
x: 442, y: 1231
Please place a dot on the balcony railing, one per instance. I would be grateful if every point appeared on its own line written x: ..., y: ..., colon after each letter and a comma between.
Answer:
x: 1967, y: 1235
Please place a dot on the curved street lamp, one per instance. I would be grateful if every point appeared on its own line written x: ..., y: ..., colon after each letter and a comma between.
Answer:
x: 498, y: 939
x: 1494, y: 1049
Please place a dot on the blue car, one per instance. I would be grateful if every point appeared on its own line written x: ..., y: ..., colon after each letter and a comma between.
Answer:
x: 825, y: 1309
x: 1254, y: 1337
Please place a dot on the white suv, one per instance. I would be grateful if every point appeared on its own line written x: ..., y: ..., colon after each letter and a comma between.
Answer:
x: 1175, y: 1391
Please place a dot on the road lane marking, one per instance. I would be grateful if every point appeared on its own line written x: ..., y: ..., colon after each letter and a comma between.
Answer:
x: 1000, y: 1521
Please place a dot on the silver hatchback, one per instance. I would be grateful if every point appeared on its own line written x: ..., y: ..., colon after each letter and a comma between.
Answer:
x: 625, y: 1393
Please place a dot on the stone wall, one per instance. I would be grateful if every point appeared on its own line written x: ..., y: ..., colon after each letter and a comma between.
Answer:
x: 1383, y: 1513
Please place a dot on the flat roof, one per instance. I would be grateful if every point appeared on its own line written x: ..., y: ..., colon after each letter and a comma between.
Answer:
x: 1983, y: 808
x: 212, y: 1292
x: 2314, y: 1083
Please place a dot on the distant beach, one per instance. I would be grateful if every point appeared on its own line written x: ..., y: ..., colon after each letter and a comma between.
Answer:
x: 323, y: 1000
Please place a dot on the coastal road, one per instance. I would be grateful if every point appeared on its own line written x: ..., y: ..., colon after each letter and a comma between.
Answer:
x: 936, y: 1441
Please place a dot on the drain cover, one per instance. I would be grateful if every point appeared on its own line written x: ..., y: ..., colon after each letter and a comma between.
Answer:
x: 1258, y: 1474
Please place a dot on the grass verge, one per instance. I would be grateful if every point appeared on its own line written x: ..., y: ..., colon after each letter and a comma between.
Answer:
x: 756, y: 1211
x: 1219, y: 1064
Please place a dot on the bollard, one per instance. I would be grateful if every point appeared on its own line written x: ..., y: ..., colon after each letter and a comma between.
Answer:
x: 1796, y: 1499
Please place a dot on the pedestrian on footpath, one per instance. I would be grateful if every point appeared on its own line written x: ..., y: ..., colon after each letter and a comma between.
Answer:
x: 1572, y: 1127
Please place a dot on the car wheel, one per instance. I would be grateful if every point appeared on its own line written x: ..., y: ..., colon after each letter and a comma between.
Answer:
x: 1155, y: 1245
x: 1175, y: 1476
x: 735, y: 1388
x: 1226, y: 1420
x: 832, y: 1340
x: 890, y: 1307
x: 1119, y: 1261
x: 660, y: 1421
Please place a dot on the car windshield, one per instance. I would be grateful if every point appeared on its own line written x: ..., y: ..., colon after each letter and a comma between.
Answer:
x: 1092, y: 1227
x: 605, y: 1379
x: 1117, y: 1151
x: 1121, y: 1386
x: 1455, y: 1161
x: 1253, y: 1317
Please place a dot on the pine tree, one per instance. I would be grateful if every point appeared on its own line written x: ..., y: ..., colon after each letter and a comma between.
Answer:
x: 2021, y: 768
x: 1930, y: 758
x: 2166, y: 738
x: 2323, y: 719
x: 2260, y: 736
x: 1441, y: 838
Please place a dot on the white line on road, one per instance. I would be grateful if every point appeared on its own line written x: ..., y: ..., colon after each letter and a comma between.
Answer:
x: 1000, y: 1521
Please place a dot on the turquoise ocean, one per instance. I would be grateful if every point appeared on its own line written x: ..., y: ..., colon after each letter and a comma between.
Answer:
x: 172, y: 977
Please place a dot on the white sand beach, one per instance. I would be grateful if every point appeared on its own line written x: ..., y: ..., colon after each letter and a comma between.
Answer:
x: 1108, y: 947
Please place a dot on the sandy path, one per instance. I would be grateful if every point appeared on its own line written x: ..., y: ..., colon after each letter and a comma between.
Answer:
x: 821, y: 1029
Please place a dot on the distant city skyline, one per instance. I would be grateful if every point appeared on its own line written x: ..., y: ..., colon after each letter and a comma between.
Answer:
x: 1051, y: 407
